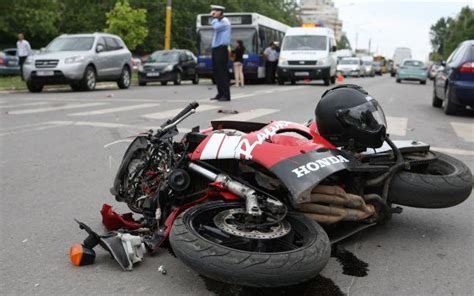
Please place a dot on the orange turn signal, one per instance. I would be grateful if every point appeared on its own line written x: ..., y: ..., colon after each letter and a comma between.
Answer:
x: 81, y: 255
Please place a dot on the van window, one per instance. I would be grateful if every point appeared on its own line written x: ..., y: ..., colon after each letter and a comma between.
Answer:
x: 305, y: 42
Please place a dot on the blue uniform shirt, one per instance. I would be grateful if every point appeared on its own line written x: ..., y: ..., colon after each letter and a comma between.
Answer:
x: 221, y: 32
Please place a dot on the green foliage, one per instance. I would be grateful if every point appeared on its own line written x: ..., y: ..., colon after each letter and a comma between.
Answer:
x: 128, y: 23
x: 42, y: 20
x: 344, y: 43
x: 446, y: 34
x: 38, y: 19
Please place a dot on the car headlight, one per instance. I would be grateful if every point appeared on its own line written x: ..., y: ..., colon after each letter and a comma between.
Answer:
x: 73, y: 60
x: 282, y: 62
x: 140, y: 68
x: 321, y: 61
x: 169, y: 68
x: 29, y: 60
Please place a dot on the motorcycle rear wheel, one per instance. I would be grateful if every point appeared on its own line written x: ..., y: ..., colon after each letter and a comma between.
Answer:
x: 294, y: 258
x: 443, y: 183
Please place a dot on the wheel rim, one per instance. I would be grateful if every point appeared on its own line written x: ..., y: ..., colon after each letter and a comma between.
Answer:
x: 126, y: 78
x: 196, y: 78
x: 202, y: 223
x: 90, y: 79
x: 178, y: 78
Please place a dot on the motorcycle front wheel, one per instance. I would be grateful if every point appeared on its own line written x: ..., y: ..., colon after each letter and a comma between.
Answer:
x: 293, y: 258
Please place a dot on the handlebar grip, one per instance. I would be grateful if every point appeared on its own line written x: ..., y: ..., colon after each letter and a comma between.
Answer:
x: 191, y: 106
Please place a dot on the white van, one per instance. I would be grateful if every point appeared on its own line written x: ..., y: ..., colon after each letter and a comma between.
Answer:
x: 400, y: 54
x: 308, y: 53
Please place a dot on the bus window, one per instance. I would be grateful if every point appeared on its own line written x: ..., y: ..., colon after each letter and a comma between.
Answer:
x: 247, y: 35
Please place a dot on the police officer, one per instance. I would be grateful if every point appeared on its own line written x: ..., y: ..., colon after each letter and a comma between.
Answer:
x: 220, y: 52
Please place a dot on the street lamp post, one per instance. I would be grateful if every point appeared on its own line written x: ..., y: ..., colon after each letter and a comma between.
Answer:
x: 168, y: 25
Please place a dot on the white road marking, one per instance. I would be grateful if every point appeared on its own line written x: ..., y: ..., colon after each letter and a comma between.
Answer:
x: 248, y: 115
x: 114, y: 110
x: 171, y: 113
x: 397, y: 125
x: 24, y: 104
x: 31, y: 128
x: 267, y: 91
x: 48, y: 109
x: 464, y: 130
x: 114, y: 125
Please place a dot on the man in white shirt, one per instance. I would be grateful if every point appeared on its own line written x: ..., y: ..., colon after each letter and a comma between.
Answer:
x: 23, y: 50
x: 271, y: 59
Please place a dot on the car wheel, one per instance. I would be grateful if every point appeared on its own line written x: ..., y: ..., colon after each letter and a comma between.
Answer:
x: 448, y: 106
x: 196, y: 79
x: 293, y: 82
x: 423, y: 82
x: 399, y: 80
x: 125, y: 78
x: 34, y: 87
x: 436, y: 102
x: 164, y: 82
x: 89, y: 80
x: 281, y: 81
x: 392, y: 74
x: 333, y: 79
x: 177, y: 79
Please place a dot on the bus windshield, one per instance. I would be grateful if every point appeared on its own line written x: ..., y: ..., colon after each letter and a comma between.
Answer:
x: 305, y: 42
x: 247, y: 35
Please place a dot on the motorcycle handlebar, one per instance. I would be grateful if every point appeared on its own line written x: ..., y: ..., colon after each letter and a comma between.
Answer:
x: 191, y: 106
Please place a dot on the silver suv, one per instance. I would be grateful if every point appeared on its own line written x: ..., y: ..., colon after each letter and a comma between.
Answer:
x: 80, y: 60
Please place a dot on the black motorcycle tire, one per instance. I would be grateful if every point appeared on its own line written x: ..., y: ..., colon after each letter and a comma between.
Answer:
x: 249, y: 268
x: 444, y: 183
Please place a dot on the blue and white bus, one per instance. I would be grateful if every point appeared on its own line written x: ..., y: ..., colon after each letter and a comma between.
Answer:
x: 255, y: 30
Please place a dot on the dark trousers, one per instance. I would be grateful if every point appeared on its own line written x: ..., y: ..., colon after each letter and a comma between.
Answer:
x: 21, y: 62
x: 220, y: 60
x: 270, y: 71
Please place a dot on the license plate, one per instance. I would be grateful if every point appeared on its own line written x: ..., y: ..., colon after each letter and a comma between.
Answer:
x: 153, y: 74
x: 12, y: 63
x: 301, y: 73
x: 45, y: 73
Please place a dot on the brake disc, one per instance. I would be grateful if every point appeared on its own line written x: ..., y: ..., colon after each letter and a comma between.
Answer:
x: 224, y: 219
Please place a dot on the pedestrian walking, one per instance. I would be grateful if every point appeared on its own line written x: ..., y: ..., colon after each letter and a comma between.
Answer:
x: 23, y: 50
x: 220, y: 52
x: 271, y: 59
x: 238, y: 54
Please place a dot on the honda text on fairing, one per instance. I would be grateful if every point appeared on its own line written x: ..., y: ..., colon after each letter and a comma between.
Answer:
x: 259, y: 204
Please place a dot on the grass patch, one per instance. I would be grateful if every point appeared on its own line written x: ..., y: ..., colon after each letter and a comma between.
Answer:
x: 11, y: 83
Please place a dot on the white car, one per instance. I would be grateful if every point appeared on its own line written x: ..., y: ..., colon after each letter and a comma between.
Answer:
x: 351, y: 67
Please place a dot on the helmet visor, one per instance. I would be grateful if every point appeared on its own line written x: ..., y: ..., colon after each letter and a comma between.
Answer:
x: 368, y: 116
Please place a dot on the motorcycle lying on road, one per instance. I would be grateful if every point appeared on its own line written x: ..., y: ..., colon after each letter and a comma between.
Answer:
x: 259, y: 204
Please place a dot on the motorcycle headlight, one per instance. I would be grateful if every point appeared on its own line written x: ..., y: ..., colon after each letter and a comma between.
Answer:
x: 169, y: 68
x: 29, y: 60
x: 73, y: 60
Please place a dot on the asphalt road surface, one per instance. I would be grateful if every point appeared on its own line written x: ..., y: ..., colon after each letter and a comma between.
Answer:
x: 54, y: 168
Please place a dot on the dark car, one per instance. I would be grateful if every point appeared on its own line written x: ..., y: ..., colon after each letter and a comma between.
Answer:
x: 169, y: 65
x: 454, y: 85
x: 9, y: 62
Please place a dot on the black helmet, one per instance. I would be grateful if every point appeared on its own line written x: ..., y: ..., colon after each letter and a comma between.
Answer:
x: 348, y: 116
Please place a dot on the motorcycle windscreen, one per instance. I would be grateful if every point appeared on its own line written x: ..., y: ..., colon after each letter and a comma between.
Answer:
x: 301, y: 173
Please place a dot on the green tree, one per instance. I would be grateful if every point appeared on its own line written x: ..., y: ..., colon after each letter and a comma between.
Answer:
x: 459, y: 30
x: 37, y: 19
x: 344, y: 42
x: 438, y: 34
x: 128, y: 23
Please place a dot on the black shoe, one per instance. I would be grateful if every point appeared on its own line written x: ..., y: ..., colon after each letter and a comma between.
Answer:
x: 214, y: 98
x: 223, y: 100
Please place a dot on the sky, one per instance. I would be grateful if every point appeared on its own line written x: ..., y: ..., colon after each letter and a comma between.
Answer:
x: 395, y: 23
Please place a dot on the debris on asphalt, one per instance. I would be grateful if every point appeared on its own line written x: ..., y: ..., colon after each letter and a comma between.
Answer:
x: 162, y: 269
x: 25, y: 240
x: 37, y: 285
x: 227, y: 111
x: 110, y: 95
